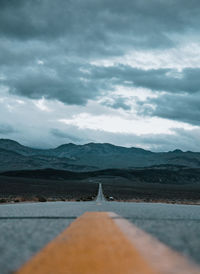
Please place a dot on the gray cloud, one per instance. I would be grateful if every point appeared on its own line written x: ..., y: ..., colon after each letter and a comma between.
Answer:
x: 55, y: 84
x: 155, y: 79
x: 66, y: 35
x: 6, y: 129
x: 108, y: 24
x: 180, y: 107
x: 47, y: 48
x: 56, y: 79
x: 65, y: 135
x: 117, y: 103
x: 75, y: 83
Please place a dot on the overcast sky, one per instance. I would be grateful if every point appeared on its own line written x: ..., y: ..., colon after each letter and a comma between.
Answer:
x: 124, y: 72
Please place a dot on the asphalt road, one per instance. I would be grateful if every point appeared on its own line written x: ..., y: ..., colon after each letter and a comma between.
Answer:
x: 26, y: 228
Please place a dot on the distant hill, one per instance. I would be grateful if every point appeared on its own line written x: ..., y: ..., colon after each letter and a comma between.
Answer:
x: 145, y: 175
x: 90, y: 157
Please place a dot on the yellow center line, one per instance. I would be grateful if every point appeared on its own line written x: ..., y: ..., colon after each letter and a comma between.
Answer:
x: 92, y: 244
x: 97, y: 244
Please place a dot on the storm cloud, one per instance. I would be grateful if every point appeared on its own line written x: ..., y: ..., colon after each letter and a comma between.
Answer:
x: 65, y: 136
x: 73, y: 83
x: 47, y: 46
x: 181, y: 107
x: 6, y: 129
x: 144, y: 23
x: 101, y: 53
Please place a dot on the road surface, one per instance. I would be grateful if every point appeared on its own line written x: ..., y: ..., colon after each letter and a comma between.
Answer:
x: 26, y: 228
x: 100, y: 197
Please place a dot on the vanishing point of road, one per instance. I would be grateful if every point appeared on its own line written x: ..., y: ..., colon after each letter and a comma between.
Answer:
x: 111, y: 235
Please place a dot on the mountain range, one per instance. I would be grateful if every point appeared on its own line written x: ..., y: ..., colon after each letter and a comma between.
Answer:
x: 90, y: 157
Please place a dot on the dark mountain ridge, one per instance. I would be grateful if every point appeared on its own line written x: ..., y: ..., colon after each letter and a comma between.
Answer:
x: 89, y: 157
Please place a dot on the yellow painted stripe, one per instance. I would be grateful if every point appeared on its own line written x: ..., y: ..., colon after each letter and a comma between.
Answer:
x: 93, y: 244
x: 103, y: 243
x: 159, y: 256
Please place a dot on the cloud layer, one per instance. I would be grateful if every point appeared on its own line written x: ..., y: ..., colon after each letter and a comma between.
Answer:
x: 97, y: 56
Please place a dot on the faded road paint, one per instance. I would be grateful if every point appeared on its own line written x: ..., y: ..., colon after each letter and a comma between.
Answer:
x: 95, y: 243
x: 92, y: 244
